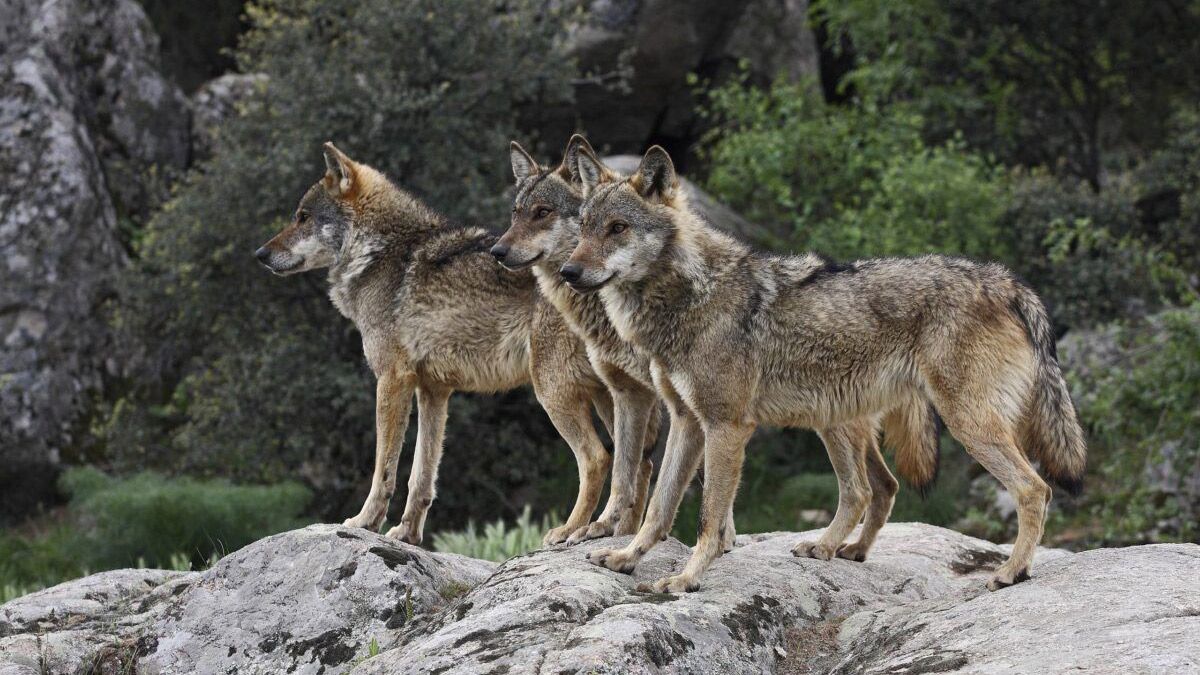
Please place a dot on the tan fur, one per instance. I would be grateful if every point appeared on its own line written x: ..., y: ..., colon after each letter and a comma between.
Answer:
x: 543, y: 233
x: 437, y: 316
x: 738, y: 338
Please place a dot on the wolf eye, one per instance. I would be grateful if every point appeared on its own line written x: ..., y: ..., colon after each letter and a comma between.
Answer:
x: 302, y: 217
x: 617, y: 227
x: 541, y: 212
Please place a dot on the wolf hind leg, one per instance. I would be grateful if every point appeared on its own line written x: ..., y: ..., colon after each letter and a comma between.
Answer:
x: 432, y: 403
x: 847, y: 445
x: 990, y: 440
x: 883, y: 495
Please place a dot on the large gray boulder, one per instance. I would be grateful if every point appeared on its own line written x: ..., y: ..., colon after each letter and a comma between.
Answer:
x: 89, y: 132
x: 653, y: 45
x: 328, y: 599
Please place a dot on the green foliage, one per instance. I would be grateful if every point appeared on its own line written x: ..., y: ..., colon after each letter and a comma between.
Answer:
x: 144, y: 521
x: 257, y: 378
x: 149, y: 517
x: 498, y: 541
x: 1142, y: 411
x: 848, y: 181
x: 1065, y: 85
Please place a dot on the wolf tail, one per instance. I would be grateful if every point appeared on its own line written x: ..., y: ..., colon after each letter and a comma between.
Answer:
x: 1050, y: 431
x: 912, y: 429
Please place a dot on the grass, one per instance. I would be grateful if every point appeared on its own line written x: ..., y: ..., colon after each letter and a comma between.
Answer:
x: 497, y: 541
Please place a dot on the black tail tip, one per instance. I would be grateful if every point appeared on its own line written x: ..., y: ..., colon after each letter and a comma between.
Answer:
x: 1073, y: 485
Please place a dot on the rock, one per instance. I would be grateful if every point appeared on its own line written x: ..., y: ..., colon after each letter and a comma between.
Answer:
x: 301, y: 601
x: 715, y: 212
x: 214, y: 102
x: 656, y: 44
x: 314, y: 600
x: 85, y: 117
x: 1106, y: 611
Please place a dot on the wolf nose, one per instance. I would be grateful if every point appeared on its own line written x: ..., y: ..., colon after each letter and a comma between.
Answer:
x: 499, y: 251
x: 262, y: 254
x: 571, y: 271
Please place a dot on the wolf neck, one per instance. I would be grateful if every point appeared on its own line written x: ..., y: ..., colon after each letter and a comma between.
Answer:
x: 695, y: 262
x: 389, y: 227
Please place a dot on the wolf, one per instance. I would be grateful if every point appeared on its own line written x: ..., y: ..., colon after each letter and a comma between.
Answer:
x: 436, y: 316
x: 739, y: 338
x: 544, y: 232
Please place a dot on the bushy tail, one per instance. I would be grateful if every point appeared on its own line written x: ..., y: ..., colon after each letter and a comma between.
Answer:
x: 912, y: 430
x: 1050, y: 432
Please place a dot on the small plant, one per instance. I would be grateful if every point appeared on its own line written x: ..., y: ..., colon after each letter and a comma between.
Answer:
x: 453, y: 590
x: 499, y: 541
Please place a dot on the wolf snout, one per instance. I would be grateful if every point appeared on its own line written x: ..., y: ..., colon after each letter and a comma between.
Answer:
x: 263, y: 254
x: 500, y: 252
x: 572, y: 271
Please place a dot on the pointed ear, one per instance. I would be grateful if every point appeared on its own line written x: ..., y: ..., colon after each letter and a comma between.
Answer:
x: 340, y: 171
x: 569, y: 169
x: 592, y: 173
x: 523, y: 165
x: 655, y: 177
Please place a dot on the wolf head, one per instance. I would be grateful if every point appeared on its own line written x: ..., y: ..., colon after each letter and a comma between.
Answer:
x: 545, y: 213
x: 327, y: 212
x: 625, y: 224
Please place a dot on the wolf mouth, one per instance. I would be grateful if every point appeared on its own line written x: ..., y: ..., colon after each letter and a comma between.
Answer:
x: 584, y: 289
x: 522, y: 265
x: 282, y: 271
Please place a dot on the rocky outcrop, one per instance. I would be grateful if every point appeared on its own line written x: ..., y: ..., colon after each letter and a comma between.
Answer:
x: 331, y: 599
x: 214, y: 102
x: 89, y: 132
x: 636, y: 55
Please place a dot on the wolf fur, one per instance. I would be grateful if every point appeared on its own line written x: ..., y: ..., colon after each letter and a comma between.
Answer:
x: 544, y: 231
x: 437, y: 316
x: 739, y: 338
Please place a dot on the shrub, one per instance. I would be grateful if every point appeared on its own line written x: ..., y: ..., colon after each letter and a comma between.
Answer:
x: 1141, y: 407
x: 848, y: 181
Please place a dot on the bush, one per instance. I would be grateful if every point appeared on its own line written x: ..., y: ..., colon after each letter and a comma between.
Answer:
x: 848, y: 181
x: 1141, y: 407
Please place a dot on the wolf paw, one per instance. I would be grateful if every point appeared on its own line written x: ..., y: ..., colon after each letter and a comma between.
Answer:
x: 812, y: 549
x: 406, y: 534
x: 856, y: 552
x: 617, y: 560
x: 591, y: 531
x: 367, y: 521
x: 676, y: 584
x: 1006, y: 576
x: 557, y: 535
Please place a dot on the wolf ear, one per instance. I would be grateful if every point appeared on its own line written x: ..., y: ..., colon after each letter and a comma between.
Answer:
x: 340, y: 171
x: 592, y: 173
x: 655, y: 177
x: 569, y: 169
x: 523, y: 165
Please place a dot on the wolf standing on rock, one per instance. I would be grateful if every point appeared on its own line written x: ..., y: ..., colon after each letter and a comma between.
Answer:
x: 738, y: 338
x: 436, y: 316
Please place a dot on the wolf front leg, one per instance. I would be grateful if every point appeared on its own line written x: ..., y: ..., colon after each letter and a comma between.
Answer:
x: 633, y: 404
x: 393, y: 401
x: 432, y: 401
x: 724, y: 452
x: 685, y: 442
x: 847, y: 446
